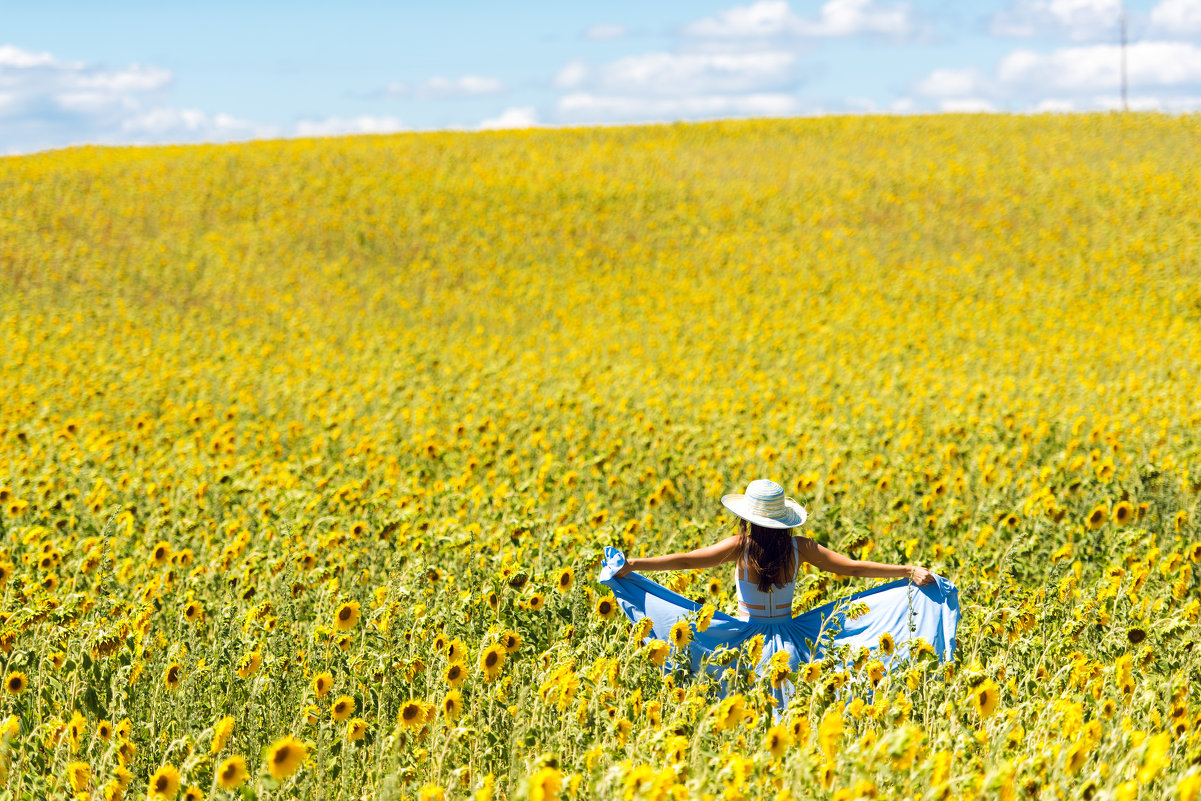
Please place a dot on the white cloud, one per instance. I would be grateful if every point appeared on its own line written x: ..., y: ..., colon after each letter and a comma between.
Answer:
x: 439, y: 88
x: 682, y: 73
x: 1167, y: 104
x: 775, y: 18
x: 1053, y: 104
x: 961, y: 105
x: 512, y: 117
x: 608, y: 108
x: 605, y: 32
x: 573, y: 74
x: 345, y: 126
x: 166, y: 122
x: 1095, y: 68
x: 1176, y: 17
x: 1078, y: 20
x: 51, y: 102
x: 1161, y: 75
x: 951, y: 83
x: 465, y: 86
x: 16, y: 57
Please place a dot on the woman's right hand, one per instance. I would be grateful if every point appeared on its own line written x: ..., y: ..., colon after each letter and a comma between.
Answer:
x: 920, y: 575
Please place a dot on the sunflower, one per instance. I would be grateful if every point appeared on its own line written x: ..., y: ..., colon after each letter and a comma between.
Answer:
x: 676, y: 749
x: 456, y: 674
x: 1077, y: 755
x: 285, y: 756
x: 164, y: 784
x: 657, y: 651
x: 984, y: 698
x: 323, y: 682
x: 76, y: 729
x: 232, y: 773
x: 79, y: 775
x: 172, y: 675
x: 342, y: 708
x: 452, y: 705
x: 412, y: 714
x: 104, y: 730
x: 777, y: 740
x: 536, y: 601
x: 161, y: 553
x: 431, y: 792
x: 511, y: 640
x: 221, y: 732
x: 193, y: 793
x: 566, y: 580
x: 799, y: 728
x: 1136, y: 635
x: 728, y: 713
x: 1123, y: 513
x: 492, y: 660
x: 193, y: 612
x: 16, y: 683
x: 606, y: 607
x: 812, y: 671
x: 681, y: 634
x: 492, y: 599
x: 346, y: 616
x: 886, y: 643
x: 545, y: 784
x: 356, y: 729
x: 249, y: 664
x: 1096, y: 518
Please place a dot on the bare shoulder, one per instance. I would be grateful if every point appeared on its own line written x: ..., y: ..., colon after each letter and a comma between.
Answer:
x: 805, y: 547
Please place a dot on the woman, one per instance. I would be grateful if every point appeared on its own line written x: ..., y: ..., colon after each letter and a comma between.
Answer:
x: 767, y: 556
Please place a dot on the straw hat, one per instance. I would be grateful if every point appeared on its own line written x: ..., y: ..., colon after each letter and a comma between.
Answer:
x: 764, y: 504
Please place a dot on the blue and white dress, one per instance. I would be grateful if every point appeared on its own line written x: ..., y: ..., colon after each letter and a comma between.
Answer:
x: 900, y: 608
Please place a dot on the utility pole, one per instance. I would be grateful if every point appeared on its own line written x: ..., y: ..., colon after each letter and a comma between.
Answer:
x: 1125, y: 107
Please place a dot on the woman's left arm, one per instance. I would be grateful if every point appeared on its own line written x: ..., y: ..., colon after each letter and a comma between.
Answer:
x: 709, y: 556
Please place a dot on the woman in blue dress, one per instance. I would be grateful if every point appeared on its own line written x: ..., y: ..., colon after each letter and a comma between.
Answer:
x: 920, y: 608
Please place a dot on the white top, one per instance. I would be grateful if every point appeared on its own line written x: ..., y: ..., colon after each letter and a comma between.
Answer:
x: 775, y: 603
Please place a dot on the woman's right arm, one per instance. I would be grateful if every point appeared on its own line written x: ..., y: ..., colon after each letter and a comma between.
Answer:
x: 709, y: 556
x: 833, y: 562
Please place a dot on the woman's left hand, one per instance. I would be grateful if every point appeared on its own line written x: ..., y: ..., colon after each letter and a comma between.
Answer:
x: 625, y: 570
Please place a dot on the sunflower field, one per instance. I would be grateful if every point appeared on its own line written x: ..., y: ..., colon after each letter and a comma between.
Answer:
x: 309, y: 450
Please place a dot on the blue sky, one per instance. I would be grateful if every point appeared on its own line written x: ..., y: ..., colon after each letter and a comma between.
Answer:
x: 143, y: 72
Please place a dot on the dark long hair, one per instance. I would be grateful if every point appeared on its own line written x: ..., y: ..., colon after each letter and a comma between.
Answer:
x: 769, y: 551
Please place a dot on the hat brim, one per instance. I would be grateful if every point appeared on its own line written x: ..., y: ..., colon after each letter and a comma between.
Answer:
x: 740, y: 505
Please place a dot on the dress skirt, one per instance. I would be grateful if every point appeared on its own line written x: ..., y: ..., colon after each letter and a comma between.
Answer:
x: 900, y: 608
